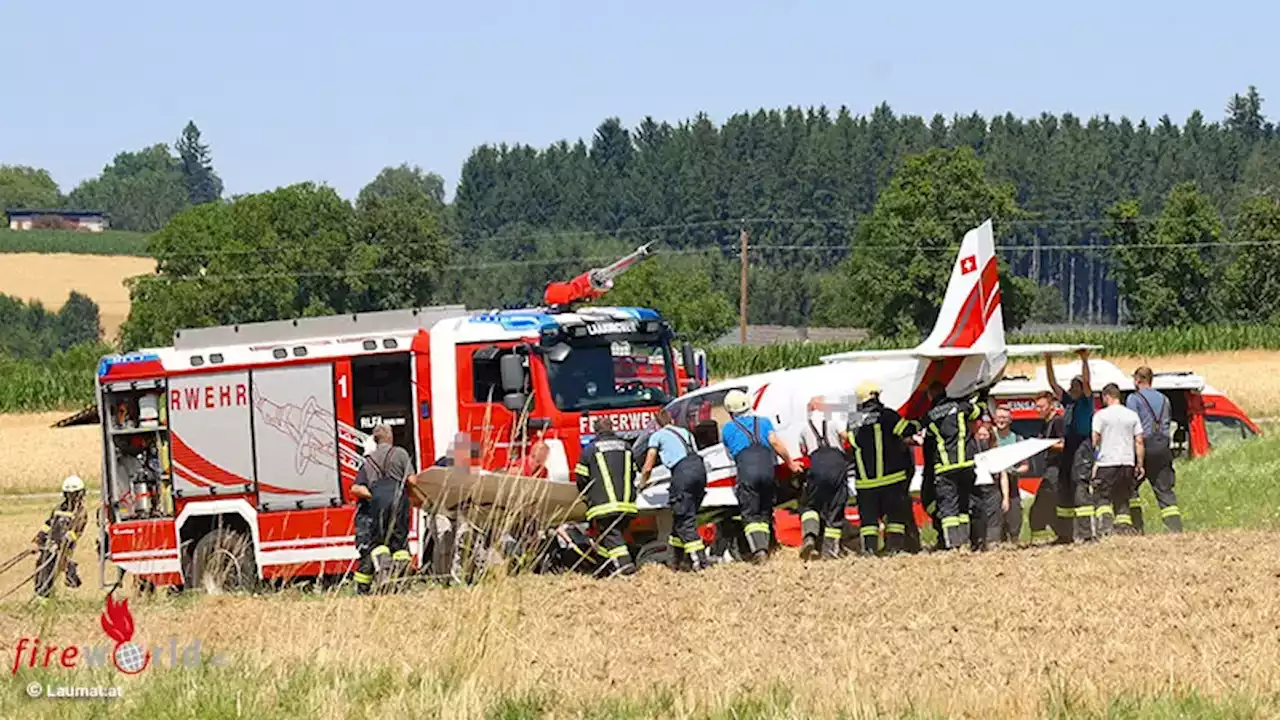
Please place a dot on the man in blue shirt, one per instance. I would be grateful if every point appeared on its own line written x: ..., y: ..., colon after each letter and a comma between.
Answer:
x: 1074, y: 499
x: 674, y: 446
x: 1154, y: 410
x: 752, y: 443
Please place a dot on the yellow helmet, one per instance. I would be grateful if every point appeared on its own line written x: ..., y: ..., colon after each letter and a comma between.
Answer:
x: 866, y: 389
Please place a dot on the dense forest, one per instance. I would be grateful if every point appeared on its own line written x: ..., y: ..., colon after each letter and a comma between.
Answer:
x: 802, y: 183
x: 850, y: 220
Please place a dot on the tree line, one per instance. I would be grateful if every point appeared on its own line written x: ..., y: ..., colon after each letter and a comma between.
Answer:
x: 29, y: 331
x: 139, y: 190
x: 852, y: 221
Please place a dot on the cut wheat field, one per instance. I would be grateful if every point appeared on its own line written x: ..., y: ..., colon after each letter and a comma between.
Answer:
x: 50, y: 277
x: 1158, y: 625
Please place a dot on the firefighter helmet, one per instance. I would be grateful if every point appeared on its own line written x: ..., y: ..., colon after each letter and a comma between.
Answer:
x: 866, y: 389
x: 72, y: 484
x: 736, y: 402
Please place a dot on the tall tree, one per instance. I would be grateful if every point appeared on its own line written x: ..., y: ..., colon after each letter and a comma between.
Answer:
x: 903, y: 254
x: 1253, y: 282
x: 1166, y: 271
x: 203, y: 184
x: 23, y: 187
x: 402, y: 218
x: 139, y: 190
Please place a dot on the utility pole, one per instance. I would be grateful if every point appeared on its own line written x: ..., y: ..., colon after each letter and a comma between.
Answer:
x: 742, y: 301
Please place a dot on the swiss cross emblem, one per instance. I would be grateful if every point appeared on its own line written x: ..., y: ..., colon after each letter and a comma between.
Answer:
x: 968, y: 265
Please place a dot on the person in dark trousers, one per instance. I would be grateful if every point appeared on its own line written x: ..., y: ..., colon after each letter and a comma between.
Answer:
x: 1154, y: 412
x: 882, y: 466
x: 382, y: 511
x: 985, y: 516
x: 673, y: 446
x: 1010, y: 494
x: 826, y: 487
x: 1117, y: 433
x: 1043, y: 510
x: 752, y: 443
x: 947, y: 430
x: 56, y: 541
x: 604, y: 475
x: 1075, y: 504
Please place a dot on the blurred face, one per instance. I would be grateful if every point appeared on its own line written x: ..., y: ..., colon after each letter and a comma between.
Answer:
x: 984, y: 433
x: 1077, y: 388
x: 1003, y: 419
x: 1044, y: 407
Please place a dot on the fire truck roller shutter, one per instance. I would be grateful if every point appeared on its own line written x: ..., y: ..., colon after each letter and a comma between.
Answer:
x: 297, y: 450
x: 211, y: 434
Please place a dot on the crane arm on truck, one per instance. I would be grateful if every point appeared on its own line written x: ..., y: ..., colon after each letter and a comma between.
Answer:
x: 594, y: 282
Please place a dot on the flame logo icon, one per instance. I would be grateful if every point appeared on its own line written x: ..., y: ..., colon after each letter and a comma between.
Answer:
x: 117, y: 623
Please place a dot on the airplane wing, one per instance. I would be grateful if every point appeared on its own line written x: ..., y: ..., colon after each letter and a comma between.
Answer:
x: 1041, y: 349
x: 1004, y: 457
x: 492, y: 495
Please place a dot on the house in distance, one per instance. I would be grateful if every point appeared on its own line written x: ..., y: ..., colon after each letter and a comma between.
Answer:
x: 82, y: 220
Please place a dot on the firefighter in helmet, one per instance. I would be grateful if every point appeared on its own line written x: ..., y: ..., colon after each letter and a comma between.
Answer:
x: 882, y: 464
x: 604, y: 475
x: 56, y: 541
x: 382, y: 513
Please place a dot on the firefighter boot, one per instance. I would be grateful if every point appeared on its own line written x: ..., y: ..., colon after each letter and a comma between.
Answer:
x: 831, y: 543
x: 73, y: 575
x: 698, y: 560
x: 810, y: 524
x: 381, y: 557
x: 400, y: 561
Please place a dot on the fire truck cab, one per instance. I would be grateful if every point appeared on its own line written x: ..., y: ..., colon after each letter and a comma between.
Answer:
x: 254, y: 433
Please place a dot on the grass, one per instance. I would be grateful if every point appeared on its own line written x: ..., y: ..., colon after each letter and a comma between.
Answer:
x: 1154, y: 627
x: 36, y: 457
x: 108, y: 242
x: 50, y: 278
x: 63, y: 382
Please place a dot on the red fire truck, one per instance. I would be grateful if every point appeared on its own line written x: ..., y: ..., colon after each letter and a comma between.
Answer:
x: 245, y: 439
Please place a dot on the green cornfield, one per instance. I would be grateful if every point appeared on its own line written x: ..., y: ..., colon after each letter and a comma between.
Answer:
x: 731, y: 361
x: 63, y: 382
x: 109, y: 242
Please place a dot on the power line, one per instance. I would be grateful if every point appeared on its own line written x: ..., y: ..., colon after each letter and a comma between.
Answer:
x: 728, y: 225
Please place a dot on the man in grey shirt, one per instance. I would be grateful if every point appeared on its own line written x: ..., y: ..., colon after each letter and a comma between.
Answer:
x: 382, y: 510
x: 1154, y: 411
x: 1117, y: 435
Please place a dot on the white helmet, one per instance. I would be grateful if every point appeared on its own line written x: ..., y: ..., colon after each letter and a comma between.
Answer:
x: 736, y: 402
x: 72, y: 484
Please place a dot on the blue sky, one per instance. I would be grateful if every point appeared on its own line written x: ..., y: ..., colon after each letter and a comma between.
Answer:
x: 286, y: 91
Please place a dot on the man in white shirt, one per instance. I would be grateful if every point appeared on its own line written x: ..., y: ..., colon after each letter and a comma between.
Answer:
x: 1117, y: 436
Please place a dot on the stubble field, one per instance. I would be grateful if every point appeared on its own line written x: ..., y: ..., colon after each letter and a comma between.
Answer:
x: 1159, y: 626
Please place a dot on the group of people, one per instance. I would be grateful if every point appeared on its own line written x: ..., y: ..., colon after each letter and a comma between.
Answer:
x: 1089, y: 486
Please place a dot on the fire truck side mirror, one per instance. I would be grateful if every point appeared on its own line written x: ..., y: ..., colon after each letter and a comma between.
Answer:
x: 511, y: 367
x: 514, y: 402
x: 690, y: 367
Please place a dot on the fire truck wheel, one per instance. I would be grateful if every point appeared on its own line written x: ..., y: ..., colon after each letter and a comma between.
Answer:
x: 223, y: 562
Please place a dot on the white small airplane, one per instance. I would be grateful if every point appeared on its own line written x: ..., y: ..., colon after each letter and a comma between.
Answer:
x: 966, y: 351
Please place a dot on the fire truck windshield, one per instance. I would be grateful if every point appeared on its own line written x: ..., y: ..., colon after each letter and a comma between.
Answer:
x: 611, y: 373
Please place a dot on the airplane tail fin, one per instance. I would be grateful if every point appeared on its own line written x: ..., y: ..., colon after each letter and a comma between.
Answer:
x: 970, y: 317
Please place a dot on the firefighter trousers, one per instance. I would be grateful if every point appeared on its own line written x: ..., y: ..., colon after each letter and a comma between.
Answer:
x: 756, y: 490
x: 688, y: 487
x: 1113, y: 488
x: 826, y: 494
x: 1011, y: 519
x: 1074, y: 512
x: 1158, y: 465
x: 611, y: 546
x: 383, y: 550
x: 985, y: 518
x: 954, y: 488
x: 890, y: 503
x: 1043, y: 516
